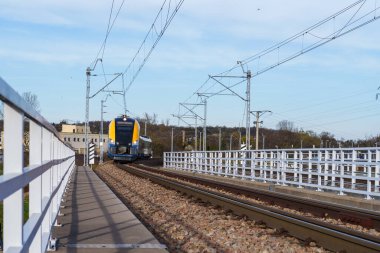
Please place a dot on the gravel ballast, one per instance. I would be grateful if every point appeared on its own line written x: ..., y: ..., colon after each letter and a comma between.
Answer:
x: 185, y: 224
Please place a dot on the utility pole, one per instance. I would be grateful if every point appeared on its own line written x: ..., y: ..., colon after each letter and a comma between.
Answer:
x: 239, y: 139
x: 88, y: 74
x: 248, y: 113
x: 172, y: 139
x: 87, y: 116
x: 258, y: 122
x: 263, y: 141
x: 220, y: 138
x: 124, y: 99
x: 200, y: 141
x: 145, y: 128
x: 196, y: 134
x: 205, y: 126
x: 101, y: 142
x: 230, y: 141
x: 204, y: 103
x: 301, y: 143
x: 247, y: 99
x: 194, y: 116
x: 101, y: 131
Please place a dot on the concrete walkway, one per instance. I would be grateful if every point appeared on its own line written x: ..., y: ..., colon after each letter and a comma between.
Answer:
x: 95, y: 220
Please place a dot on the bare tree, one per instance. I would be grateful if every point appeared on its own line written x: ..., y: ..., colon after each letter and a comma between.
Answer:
x: 29, y: 97
x: 32, y: 99
x: 286, y: 125
x: 147, y: 118
x: 154, y: 118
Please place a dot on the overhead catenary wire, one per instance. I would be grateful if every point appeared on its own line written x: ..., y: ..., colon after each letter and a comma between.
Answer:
x: 294, y: 37
x: 153, y: 28
x: 287, y: 41
x: 329, y: 101
x: 350, y: 25
x: 109, y: 28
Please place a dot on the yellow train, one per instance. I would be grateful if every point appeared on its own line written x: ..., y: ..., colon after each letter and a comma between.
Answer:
x: 125, y: 142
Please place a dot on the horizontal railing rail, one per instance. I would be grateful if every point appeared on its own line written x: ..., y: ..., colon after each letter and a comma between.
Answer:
x: 10, y: 97
x: 51, y: 162
x: 11, y: 183
x: 341, y: 170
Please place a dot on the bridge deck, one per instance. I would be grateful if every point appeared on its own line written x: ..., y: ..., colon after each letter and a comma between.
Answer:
x: 95, y: 220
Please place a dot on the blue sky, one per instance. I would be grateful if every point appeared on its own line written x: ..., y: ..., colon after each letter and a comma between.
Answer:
x: 46, y: 46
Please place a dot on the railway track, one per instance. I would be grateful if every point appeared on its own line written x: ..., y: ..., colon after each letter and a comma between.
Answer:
x: 365, y: 218
x: 329, y: 236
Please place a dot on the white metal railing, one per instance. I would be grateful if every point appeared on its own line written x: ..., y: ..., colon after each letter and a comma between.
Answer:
x: 51, y: 163
x: 343, y: 170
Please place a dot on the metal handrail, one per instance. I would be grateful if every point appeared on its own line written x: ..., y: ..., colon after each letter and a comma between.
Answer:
x: 11, y: 183
x: 314, y: 164
x: 9, y: 96
x: 51, y: 164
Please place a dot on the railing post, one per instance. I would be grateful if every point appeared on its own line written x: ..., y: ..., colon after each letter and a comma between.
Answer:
x: 35, y: 187
x: 283, y: 168
x: 319, y: 166
x: 369, y: 182
x: 377, y: 171
x: 279, y: 167
x: 253, y: 158
x: 13, y: 164
x: 271, y: 167
x: 295, y: 165
x: 310, y: 167
x: 341, y: 172
x: 353, y: 169
x: 300, y: 169
x: 333, y: 167
x: 46, y: 149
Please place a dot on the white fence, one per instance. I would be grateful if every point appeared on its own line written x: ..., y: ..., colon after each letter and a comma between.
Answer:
x: 354, y: 170
x: 51, y: 163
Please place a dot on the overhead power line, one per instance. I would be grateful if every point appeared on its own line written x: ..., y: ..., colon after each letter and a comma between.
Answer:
x: 162, y: 21
x: 303, y: 41
x: 109, y: 28
x: 352, y: 17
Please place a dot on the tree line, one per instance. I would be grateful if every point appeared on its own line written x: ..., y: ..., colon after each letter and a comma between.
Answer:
x: 285, y: 135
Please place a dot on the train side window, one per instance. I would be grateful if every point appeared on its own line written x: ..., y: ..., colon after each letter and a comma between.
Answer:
x: 83, y: 140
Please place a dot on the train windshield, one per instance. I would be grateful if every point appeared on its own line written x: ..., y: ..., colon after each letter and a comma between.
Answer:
x: 124, y: 132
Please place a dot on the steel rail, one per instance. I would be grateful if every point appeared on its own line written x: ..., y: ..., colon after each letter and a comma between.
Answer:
x: 353, y: 215
x: 329, y: 236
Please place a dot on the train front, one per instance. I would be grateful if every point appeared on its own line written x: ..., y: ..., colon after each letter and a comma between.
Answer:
x: 123, y: 139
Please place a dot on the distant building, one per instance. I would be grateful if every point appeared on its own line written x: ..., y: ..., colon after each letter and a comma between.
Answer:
x: 74, y: 135
x: 66, y: 128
